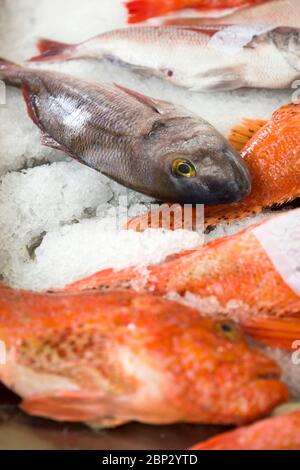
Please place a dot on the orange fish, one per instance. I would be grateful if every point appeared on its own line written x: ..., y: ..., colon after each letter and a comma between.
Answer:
x: 252, y: 277
x: 271, y: 151
x: 110, y: 358
x: 274, y: 13
x: 277, y: 433
x: 141, y: 10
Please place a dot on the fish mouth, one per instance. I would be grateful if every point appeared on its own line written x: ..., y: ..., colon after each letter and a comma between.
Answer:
x: 271, y: 375
x: 267, y: 370
x: 230, y: 183
x: 240, y: 184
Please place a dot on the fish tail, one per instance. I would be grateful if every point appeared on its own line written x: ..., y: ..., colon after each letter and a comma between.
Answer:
x: 52, y: 51
x: 9, y: 72
x: 278, y: 332
x: 141, y: 10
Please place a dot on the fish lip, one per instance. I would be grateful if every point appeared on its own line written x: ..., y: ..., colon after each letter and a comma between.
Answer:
x: 241, y: 185
x: 271, y: 375
x: 268, y: 371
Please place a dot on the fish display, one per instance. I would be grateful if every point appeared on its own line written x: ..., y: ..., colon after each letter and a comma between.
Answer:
x: 276, y: 433
x: 141, y: 10
x: 271, y: 151
x: 274, y: 13
x: 251, y: 277
x: 110, y: 358
x: 207, y: 58
x: 151, y: 146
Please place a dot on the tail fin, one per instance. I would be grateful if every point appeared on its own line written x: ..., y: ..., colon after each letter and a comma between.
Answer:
x: 7, y: 72
x: 277, y: 332
x: 7, y: 65
x: 141, y: 10
x: 52, y: 51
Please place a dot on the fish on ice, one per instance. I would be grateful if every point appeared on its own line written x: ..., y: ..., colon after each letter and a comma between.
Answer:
x: 115, y: 357
x: 252, y: 277
x: 151, y: 146
x: 201, y: 58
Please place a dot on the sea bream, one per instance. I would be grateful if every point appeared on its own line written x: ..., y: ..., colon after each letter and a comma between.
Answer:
x: 200, y: 58
x: 151, y: 146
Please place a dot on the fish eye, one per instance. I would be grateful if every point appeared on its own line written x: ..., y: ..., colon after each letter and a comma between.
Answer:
x: 183, y: 168
x: 227, y: 329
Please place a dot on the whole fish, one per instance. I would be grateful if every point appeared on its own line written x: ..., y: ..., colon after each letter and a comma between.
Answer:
x: 276, y: 433
x: 207, y: 58
x: 251, y: 277
x: 274, y: 13
x: 110, y: 358
x: 141, y: 10
x: 145, y: 144
x: 271, y: 151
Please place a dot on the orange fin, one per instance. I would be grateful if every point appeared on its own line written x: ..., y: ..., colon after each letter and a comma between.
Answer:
x: 65, y: 406
x: 169, y: 217
x: 241, y: 134
x: 141, y: 10
x: 277, y: 332
x: 52, y: 50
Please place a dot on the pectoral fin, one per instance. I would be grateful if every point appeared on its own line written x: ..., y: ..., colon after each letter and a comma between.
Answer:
x: 277, y: 332
x: 222, y: 79
x: 66, y: 406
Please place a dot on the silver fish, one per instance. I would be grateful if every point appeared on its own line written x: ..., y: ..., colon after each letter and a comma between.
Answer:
x: 200, y: 58
x: 148, y: 145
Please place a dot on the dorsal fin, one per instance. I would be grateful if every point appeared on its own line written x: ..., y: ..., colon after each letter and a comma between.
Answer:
x: 160, y: 107
x: 241, y: 134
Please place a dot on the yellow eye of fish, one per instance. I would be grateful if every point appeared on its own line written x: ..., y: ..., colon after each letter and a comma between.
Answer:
x: 183, y: 168
x: 227, y: 329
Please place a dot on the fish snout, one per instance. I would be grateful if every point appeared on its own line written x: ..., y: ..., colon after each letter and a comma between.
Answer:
x: 226, y: 177
x: 238, y: 180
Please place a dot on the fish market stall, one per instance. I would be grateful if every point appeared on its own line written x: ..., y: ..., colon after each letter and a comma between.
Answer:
x: 158, y: 125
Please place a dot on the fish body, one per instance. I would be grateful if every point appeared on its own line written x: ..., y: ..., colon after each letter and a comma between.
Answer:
x: 151, y: 146
x: 207, y: 58
x: 110, y: 358
x: 272, y: 156
x: 141, y: 10
x: 274, y: 13
x: 251, y: 277
x: 276, y: 433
